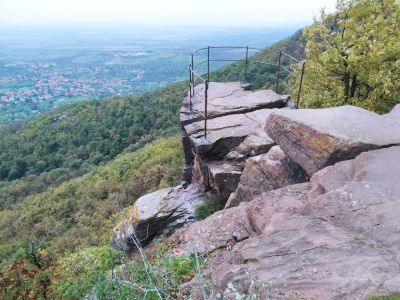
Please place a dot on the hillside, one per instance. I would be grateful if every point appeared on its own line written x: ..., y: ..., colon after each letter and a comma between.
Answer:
x: 66, y: 176
x: 68, y: 142
x: 81, y: 212
x: 80, y: 208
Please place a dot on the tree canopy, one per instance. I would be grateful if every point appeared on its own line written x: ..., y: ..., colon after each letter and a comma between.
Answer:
x: 353, y: 56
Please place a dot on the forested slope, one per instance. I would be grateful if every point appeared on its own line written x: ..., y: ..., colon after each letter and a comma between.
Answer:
x: 67, y: 175
x: 68, y: 142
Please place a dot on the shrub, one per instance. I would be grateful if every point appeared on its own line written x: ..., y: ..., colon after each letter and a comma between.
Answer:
x: 106, y: 274
x: 209, y: 206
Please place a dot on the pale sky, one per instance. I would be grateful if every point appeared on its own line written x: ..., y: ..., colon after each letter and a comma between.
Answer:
x: 155, y: 12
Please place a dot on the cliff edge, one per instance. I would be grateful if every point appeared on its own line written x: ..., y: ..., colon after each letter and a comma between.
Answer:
x: 310, y: 199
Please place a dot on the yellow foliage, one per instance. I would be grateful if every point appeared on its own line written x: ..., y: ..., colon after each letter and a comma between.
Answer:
x: 353, y: 56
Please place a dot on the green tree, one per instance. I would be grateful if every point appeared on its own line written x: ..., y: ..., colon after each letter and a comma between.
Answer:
x: 353, y: 56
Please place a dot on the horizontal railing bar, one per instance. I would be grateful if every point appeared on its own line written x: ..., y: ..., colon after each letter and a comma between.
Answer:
x: 234, y: 47
x: 199, y: 85
x: 217, y: 60
x: 250, y: 60
x: 291, y: 57
x: 227, y: 60
x: 198, y: 50
x: 284, y: 83
x: 241, y: 47
x: 287, y: 70
x: 197, y: 75
x: 228, y: 47
x: 262, y: 62
x: 198, y: 64
x: 268, y: 76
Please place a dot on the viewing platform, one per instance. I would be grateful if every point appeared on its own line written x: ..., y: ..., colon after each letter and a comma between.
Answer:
x: 223, y: 123
x: 233, y: 114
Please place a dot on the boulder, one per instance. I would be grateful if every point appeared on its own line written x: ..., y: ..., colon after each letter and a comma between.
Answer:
x: 156, y: 213
x: 226, y: 98
x: 222, y: 230
x: 316, y: 138
x: 336, y: 237
x: 224, y: 177
x: 266, y: 172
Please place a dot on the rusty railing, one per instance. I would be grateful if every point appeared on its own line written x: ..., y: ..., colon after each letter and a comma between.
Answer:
x: 195, y: 75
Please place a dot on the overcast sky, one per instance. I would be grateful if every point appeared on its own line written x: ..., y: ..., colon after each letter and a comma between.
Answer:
x: 240, y: 13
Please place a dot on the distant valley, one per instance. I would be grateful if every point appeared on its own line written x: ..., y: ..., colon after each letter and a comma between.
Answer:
x: 61, y: 67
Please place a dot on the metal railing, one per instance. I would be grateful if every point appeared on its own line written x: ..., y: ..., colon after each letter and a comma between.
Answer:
x: 204, y: 78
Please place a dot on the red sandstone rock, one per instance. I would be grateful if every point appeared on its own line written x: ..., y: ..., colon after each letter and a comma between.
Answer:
x: 266, y: 172
x: 316, y: 138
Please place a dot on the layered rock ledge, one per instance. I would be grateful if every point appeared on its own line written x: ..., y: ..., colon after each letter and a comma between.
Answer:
x: 311, y: 200
x: 336, y: 237
x: 235, y: 131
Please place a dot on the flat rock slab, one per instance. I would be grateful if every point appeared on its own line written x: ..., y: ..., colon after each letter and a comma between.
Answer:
x: 336, y: 237
x: 227, y: 132
x: 156, y: 213
x: 228, y: 98
x: 316, y: 138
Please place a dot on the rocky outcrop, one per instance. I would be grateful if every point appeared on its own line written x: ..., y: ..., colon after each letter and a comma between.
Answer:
x: 281, y: 235
x: 316, y: 138
x: 156, y: 213
x: 235, y: 132
x: 336, y: 237
x: 264, y: 173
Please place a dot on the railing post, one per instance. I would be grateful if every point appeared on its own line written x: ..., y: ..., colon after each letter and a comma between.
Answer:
x: 301, y: 83
x: 277, y: 71
x: 247, y: 62
x: 205, y: 108
x: 190, y: 87
x: 192, y: 80
x: 208, y: 63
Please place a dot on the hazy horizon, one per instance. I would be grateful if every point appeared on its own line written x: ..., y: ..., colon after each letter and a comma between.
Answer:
x: 152, y: 13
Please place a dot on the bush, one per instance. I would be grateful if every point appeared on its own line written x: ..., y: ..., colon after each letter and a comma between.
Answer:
x: 105, y: 273
x: 209, y: 206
